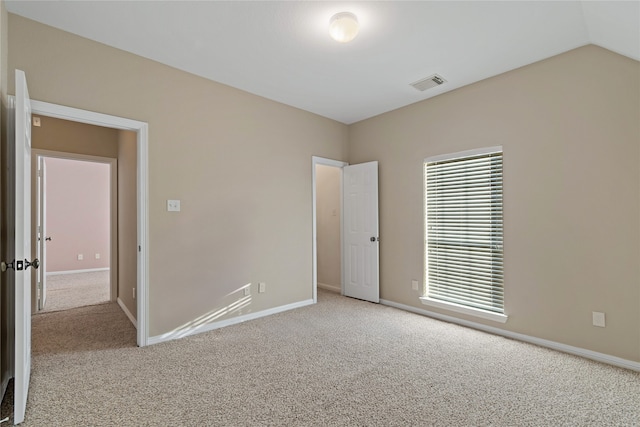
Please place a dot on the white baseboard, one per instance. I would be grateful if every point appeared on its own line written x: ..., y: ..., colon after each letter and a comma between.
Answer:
x: 192, y: 330
x: 577, y: 351
x: 331, y: 288
x: 88, y: 270
x: 128, y: 313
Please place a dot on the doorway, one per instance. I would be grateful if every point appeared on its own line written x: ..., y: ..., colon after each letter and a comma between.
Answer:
x: 359, y: 228
x: 140, y: 230
x: 327, y: 225
x: 76, y: 230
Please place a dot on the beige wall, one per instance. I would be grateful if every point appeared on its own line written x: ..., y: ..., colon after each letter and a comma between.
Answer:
x: 240, y: 164
x: 73, y: 137
x: 328, y: 225
x: 570, y: 129
x: 127, y: 219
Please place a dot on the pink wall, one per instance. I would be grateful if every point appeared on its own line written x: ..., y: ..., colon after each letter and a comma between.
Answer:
x: 78, y: 211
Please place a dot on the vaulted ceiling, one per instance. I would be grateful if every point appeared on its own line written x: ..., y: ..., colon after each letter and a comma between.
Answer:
x: 282, y: 50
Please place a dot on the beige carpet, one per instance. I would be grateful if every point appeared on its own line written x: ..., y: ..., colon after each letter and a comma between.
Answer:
x: 65, y: 291
x: 341, y: 362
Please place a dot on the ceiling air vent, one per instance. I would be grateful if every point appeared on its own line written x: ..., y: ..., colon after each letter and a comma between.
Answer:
x: 428, y: 83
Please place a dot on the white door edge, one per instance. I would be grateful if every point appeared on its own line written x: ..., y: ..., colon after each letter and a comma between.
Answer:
x: 315, y: 160
x: 142, y: 130
x: 22, y: 244
x: 41, y: 277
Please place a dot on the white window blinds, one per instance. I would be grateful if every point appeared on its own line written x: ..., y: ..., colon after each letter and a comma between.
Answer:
x: 463, y: 227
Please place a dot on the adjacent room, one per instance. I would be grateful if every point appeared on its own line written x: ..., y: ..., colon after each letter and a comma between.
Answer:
x: 75, y: 219
x: 328, y: 213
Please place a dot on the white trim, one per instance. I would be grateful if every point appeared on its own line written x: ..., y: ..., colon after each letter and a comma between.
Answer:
x: 128, y: 313
x: 83, y: 116
x: 113, y: 207
x: 577, y: 351
x: 142, y: 290
x: 142, y: 130
x: 315, y: 160
x: 88, y: 270
x: 496, y: 317
x: 466, y: 153
x: 331, y: 288
x: 74, y: 156
x: 192, y: 330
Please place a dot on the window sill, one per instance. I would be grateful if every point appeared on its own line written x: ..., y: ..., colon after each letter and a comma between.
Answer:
x: 496, y: 317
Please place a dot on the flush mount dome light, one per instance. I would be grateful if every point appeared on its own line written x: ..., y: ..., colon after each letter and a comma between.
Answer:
x: 343, y: 27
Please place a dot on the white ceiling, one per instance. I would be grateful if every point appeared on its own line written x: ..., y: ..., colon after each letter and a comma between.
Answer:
x: 282, y: 50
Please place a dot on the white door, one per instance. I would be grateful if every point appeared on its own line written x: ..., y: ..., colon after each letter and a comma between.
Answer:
x: 360, y: 252
x: 42, y: 233
x: 23, y: 248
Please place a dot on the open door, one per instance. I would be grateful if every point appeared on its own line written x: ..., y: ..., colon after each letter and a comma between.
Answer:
x: 22, y: 248
x: 42, y: 233
x: 360, y: 251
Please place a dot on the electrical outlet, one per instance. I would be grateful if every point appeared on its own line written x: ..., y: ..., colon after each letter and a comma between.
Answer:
x: 80, y: 257
x: 247, y: 290
x: 414, y: 285
x: 97, y: 256
x: 262, y: 287
x: 598, y: 319
x: 173, y: 205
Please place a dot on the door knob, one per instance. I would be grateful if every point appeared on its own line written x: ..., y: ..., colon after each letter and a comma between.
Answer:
x: 373, y: 239
x: 48, y: 239
x: 4, y: 266
x: 35, y: 264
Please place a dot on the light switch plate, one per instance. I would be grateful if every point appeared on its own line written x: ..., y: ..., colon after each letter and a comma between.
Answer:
x: 173, y: 205
x: 598, y: 319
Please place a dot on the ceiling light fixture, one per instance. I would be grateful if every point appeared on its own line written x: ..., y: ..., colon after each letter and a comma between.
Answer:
x: 343, y: 27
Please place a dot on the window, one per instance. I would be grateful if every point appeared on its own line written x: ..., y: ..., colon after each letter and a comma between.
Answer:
x: 463, y: 232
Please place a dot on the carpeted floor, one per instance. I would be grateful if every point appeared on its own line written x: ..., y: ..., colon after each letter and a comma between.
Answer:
x: 65, y: 291
x: 341, y: 362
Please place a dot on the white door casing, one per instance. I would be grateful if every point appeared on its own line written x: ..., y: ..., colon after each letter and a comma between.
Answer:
x: 42, y: 232
x: 22, y: 247
x: 360, y: 231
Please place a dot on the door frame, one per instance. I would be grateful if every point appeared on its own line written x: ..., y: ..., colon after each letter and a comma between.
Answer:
x: 315, y: 160
x: 142, y: 132
x: 113, y: 209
